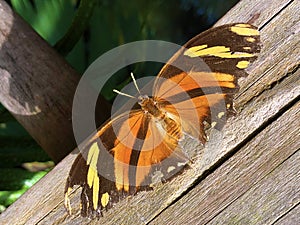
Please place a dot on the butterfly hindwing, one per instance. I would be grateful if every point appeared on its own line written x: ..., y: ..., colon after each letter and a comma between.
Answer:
x: 123, y: 158
x: 141, y: 147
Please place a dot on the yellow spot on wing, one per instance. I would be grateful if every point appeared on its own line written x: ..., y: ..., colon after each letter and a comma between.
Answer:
x: 171, y: 168
x: 96, y: 185
x: 191, y: 51
x: 242, y: 64
x: 244, y: 30
x: 180, y: 164
x: 196, y: 51
x: 197, y: 48
x: 221, y: 114
x: 67, y: 201
x: 250, y: 39
x: 93, y: 155
x: 218, y: 51
x: 92, y: 176
x: 105, y: 199
x: 92, y: 162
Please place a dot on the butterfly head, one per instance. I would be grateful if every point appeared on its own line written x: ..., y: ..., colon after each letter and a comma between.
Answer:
x: 142, y: 99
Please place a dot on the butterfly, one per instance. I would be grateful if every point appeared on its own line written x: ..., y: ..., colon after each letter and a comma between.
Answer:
x: 136, y: 149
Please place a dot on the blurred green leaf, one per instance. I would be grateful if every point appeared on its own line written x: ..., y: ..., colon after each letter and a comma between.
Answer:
x: 14, y: 182
x: 13, y: 179
x: 75, y: 31
x: 49, y: 18
x: 12, y: 129
x: 14, y: 152
x: 9, y: 197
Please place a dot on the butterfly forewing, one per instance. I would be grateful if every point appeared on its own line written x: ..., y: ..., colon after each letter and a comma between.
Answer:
x: 207, y: 68
x: 139, y: 148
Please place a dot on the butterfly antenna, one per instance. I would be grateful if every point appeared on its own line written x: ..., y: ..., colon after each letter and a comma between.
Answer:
x: 124, y: 94
x: 135, y: 84
x: 127, y: 95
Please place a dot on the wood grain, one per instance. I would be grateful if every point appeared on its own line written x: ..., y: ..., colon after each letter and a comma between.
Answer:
x: 255, y: 186
x: 268, y: 95
x: 271, y: 198
x: 291, y: 217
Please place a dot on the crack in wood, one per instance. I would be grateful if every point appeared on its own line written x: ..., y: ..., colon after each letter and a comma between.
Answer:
x: 287, y: 212
x: 291, y: 70
x: 276, y: 15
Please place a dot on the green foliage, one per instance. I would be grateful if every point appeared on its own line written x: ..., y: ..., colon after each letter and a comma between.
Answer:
x: 79, y: 24
x: 49, y: 18
x: 16, y: 147
x: 15, y: 179
x: 14, y: 182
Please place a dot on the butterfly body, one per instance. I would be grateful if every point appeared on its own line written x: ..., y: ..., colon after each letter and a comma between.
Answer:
x: 149, y: 105
x: 143, y: 146
x: 151, y: 108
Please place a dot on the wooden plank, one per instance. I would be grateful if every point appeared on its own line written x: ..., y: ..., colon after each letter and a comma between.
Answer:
x: 279, y: 50
x: 275, y: 195
x: 258, y: 13
x: 255, y: 186
x: 145, y: 206
x: 292, y: 217
x: 25, y: 89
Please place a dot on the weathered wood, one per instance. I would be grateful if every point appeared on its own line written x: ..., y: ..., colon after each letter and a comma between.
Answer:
x: 271, y: 89
x: 255, y: 186
x: 37, y: 85
x: 291, y: 217
x: 274, y: 196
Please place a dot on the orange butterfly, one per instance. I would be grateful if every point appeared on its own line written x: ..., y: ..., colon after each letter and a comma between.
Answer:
x: 136, y: 149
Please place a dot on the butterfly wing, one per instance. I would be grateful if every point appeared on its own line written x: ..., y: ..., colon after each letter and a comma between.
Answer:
x: 199, y: 81
x: 121, y: 159
x: 135, y: 150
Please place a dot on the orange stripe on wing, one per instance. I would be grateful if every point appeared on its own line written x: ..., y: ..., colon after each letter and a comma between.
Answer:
x: 161, y: 146
x: 184, y: 82
x: 196, y: 110
x: 123, y: 148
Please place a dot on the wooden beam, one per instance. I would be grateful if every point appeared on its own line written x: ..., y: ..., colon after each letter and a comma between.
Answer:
x: 257, y: 185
